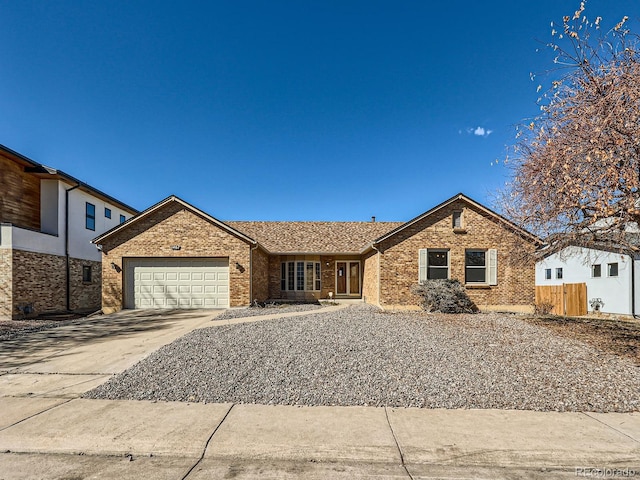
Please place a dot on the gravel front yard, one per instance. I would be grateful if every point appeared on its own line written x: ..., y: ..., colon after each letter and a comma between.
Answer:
x: 10, y: 329
x: 359, y: 356
x: 267, y: 310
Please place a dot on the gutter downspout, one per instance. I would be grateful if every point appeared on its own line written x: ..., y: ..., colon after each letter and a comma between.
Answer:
x: 66, y: 241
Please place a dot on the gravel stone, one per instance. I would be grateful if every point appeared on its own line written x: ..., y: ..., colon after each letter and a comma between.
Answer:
x: 361, y: 356
x: 268, y: 309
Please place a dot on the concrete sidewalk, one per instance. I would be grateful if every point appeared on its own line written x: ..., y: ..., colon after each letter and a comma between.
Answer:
x: 47, y: 431
x: 78, y: 438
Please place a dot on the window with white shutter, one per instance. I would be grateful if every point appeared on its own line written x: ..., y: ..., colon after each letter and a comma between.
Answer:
x: 481, y: 266
x: 493, y: 266
x: 433, y: 264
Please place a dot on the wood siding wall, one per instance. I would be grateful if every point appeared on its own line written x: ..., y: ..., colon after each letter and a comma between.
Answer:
x: 20, y: 199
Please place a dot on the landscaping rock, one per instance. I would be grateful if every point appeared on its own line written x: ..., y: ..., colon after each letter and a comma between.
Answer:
x: 360, y: 356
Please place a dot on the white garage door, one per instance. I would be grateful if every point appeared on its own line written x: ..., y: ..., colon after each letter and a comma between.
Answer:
x: 177, y: 283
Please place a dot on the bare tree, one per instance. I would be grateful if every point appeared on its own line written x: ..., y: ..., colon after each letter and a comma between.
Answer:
x: 575, y: 168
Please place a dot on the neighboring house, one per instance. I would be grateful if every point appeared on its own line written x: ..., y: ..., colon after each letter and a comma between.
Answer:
x: 174, y: 255
x: 610, y: 275
x: 47, y: 221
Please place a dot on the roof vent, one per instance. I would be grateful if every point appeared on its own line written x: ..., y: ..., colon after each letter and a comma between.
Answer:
x: 373, y: 218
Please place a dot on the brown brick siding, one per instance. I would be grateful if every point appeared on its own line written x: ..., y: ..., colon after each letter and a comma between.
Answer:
x: 260, y: 280
x: 399, y: 261
x: 20, y: 199
x: 6, y: 283
x: 153, y: 236
x: 40, y: 280
x: 370, y: 278
x: 85, y: 295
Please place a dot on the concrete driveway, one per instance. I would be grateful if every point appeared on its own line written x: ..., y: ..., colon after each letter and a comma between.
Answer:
x: 47, y: 431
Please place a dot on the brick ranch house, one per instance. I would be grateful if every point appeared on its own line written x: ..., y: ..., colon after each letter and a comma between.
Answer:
x: 174, y: 255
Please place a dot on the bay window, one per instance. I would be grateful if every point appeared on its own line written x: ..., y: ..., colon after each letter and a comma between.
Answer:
x: 300, y: 276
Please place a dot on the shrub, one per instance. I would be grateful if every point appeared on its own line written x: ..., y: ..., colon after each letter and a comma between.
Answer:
x: 444, y: 296
x: 543, y: 308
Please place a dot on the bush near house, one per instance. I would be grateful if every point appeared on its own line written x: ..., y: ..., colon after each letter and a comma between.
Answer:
x: 444, y: 296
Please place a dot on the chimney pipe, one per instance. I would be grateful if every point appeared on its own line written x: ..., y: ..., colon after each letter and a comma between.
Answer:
x: 373, y: 218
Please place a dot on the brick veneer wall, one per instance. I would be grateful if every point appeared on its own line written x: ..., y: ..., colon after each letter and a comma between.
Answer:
x: 153, y: 236
x: 40, y: 280
x: 6, y: 283
x: 260, y: 280
x: 399, y: 259
x: 370, y: 278
x: 20, y: 199
x: 85, y: 295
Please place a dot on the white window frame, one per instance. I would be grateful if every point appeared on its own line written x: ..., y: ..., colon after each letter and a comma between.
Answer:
x: 291, y: 276
x: 490, y: 266
x: 593, y: 270
x: 423, y: 262
x: 559, y: 273
x: 547, y: 274
x: 300, y: 273
x: 609, y: 265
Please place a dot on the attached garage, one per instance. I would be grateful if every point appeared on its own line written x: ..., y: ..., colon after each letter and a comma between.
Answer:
x: 173, y: 255
x: 176, y: 282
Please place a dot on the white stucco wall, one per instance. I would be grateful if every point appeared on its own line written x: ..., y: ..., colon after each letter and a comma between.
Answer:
x: 51, y: 239
x: 80, y: 237
x: 31, y: 241
x: 576, y: 265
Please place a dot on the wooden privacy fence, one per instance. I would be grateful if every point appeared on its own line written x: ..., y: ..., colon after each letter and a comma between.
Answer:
x: 567, y: 299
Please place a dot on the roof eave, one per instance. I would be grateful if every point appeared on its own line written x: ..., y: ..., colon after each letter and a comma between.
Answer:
x: 324, y: 254
x: 162, y: 203
x: 460, y: 196
x: 41, y: 169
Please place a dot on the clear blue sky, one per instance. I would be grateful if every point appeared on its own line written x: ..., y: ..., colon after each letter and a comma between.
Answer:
x: 277, y: 110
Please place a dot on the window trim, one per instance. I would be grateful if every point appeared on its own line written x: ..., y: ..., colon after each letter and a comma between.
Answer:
x: 423, y: 263
x: 490, y: 266
x: 593, y: 271
x: 609, y: 265
x: 90, y: 218
x: 87, y: 278
x: 476, y: 267
x: 295, y: 273
x: 559, y: 273
x: 548, y: 274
